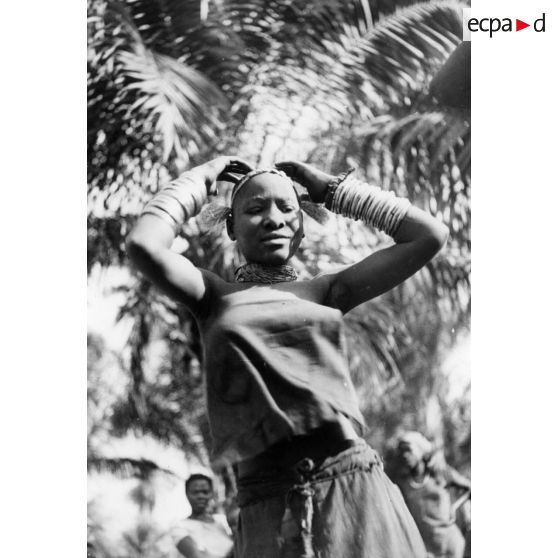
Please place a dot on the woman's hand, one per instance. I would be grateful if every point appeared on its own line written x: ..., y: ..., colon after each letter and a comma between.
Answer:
x: 217, y: 169
x: 314, y: 180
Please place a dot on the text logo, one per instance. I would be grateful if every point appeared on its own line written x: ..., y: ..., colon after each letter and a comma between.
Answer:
x: 494, y: 25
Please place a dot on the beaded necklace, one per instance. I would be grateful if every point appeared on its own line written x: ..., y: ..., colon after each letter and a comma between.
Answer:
x: 260, y: 273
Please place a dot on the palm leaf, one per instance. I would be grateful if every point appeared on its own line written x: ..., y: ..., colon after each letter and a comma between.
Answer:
x: 179, y: 103
x: 406, y: 48
x: 125, y: 467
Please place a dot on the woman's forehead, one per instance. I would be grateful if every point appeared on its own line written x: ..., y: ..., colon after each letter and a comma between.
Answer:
x: 267, y: 185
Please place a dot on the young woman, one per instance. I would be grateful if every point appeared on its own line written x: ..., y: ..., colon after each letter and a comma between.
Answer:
x: 204, y: 534
x: 280, y: 401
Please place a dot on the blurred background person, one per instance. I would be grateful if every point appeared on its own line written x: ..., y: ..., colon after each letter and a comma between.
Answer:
x: 204, y: 534
x: 427, y: 484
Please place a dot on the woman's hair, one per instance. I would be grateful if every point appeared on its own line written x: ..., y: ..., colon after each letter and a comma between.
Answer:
x: 197, y: 477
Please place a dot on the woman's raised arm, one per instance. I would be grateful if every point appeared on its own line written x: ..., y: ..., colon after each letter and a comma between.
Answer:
x: 418, y: 236
x: 149, y: 242
x: 418, y: 239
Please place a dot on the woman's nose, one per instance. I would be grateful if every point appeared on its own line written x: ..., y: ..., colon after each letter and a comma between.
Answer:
x: 274, y: 218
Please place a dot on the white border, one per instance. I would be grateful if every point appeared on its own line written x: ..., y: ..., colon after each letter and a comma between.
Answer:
x: 515, y: 300
x: 43, y: 283
x: 43, y: 279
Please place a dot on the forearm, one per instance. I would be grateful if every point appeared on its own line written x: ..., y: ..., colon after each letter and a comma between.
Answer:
x: 183, y: 198
x: 163, y: 216
x: 418, y: 237
x: 171, y: 206
x: 385, y: 211
x: 149, y: 243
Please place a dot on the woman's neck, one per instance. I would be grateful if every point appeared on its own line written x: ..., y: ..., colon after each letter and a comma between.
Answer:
x: 254, y: 272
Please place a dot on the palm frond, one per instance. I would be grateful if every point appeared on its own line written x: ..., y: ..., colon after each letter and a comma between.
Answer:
x: 177, y: 104
x: 406, y: 48
x: 143, y: 105
x: 125, y: 467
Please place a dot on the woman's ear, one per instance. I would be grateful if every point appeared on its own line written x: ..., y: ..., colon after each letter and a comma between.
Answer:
x: 230, y: 226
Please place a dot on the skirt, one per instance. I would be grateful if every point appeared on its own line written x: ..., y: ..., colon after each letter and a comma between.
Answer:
x: 343, y: 506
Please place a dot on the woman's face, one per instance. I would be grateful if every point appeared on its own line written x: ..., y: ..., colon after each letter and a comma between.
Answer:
x: 199, y: 495
x: 267, y: 220
x: 409, y: 455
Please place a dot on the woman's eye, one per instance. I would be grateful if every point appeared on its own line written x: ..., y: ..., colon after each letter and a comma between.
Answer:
x: 288, y: 208
x: 253, y: 210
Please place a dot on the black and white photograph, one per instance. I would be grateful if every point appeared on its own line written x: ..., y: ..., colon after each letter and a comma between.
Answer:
x: 278, y: 279
x: 315, y: 300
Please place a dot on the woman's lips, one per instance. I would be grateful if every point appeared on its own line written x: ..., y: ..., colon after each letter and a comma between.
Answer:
x: 276, y: 242
x: 272, y: 237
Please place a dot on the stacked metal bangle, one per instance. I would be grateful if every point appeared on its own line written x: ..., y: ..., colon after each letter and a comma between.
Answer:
x: 182, y: 198
x: 334, y: 184
x: 356, y: 199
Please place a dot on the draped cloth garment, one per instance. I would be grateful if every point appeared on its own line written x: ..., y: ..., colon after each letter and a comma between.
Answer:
x: 276, y: 367
x: 357, y: 512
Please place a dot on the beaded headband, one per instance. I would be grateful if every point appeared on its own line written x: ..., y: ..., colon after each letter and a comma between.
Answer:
x: 247, y: 177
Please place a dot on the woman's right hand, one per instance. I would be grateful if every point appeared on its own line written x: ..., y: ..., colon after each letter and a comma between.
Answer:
x: 211, y: 171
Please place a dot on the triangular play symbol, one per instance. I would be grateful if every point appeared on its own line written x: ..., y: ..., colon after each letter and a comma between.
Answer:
x: 519, y: 25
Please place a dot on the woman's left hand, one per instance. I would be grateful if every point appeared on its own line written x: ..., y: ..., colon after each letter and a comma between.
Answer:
x: 218, y: 168
x: 314, y: 180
